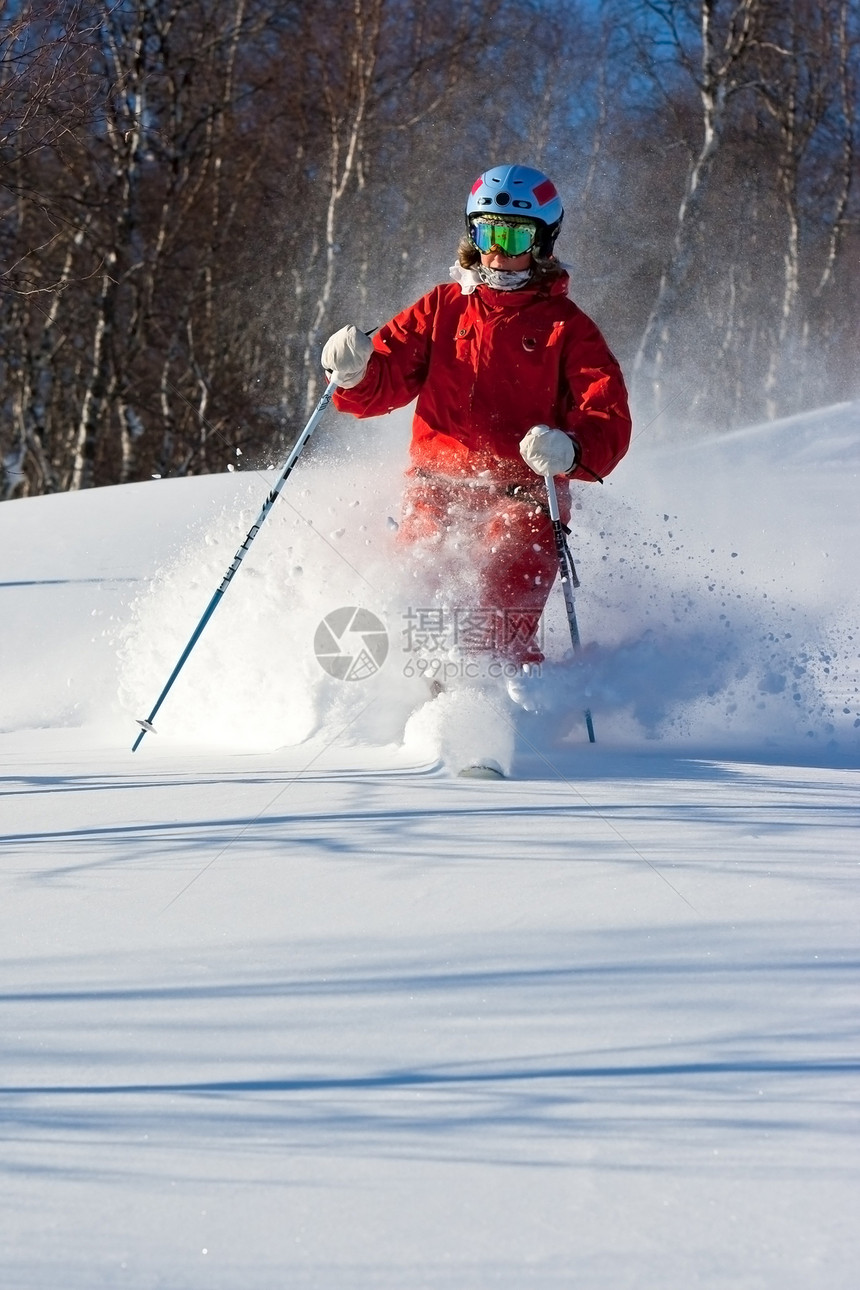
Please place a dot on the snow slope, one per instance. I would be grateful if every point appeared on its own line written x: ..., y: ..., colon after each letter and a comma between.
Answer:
x: 285, y: 1003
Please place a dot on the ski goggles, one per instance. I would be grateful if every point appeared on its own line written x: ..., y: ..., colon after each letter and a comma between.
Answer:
x: 510, y: 238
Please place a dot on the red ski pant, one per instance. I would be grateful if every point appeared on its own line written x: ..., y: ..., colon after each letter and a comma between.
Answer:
x: 488, y: 554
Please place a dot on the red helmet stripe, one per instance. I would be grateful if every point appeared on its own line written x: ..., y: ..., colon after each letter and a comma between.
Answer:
x: 476, y: 185
x: 545, y: 192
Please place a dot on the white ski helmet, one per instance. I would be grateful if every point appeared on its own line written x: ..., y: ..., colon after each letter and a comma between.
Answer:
x: 521, y: 193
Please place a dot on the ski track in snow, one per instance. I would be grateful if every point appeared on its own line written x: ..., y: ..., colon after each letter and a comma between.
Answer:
x: 285, y: 1003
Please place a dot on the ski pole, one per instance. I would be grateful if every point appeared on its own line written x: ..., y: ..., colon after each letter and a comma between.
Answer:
x: 569, y: 580
x: 316, y: 416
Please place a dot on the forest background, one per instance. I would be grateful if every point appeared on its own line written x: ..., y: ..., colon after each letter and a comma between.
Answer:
x: 195, y: 193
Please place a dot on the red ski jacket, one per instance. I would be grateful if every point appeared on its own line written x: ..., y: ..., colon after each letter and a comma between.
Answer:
x: 487, y: 366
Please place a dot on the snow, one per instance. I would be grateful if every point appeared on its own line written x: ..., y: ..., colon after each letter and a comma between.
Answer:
x: 287, y: 1003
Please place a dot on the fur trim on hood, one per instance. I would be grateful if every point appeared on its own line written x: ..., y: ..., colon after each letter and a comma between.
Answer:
x: 468, y: 279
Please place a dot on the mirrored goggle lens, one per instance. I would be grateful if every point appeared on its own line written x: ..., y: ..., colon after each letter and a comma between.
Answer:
x: 512, y: 239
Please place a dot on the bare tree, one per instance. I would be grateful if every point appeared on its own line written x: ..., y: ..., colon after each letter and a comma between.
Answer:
x: 42, y: 57
x: 804, y: 68
x: 727, y: 37
x: 838, y: 188
x: 192, y: 192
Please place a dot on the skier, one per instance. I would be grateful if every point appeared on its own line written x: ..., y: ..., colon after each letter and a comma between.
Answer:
x: 513, y: 381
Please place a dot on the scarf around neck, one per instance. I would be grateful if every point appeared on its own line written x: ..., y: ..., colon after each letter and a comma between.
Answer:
x: 498, y: 279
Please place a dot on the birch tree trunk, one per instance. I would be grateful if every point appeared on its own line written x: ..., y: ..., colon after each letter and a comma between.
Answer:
x: 808, y: 86
x: 723, y: 56
x: 845, y: 175
x: 347, y: 117
x: 123, y: 49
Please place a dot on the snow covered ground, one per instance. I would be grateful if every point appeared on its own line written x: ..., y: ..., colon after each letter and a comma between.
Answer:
x: 287, y: 1004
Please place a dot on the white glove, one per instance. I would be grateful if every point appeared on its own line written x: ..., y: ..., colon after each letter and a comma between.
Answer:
x: 346, y: 353
x: 548, y: 452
